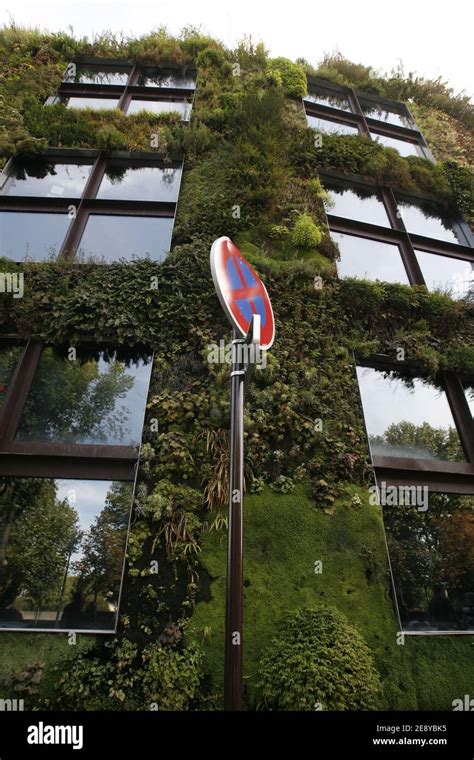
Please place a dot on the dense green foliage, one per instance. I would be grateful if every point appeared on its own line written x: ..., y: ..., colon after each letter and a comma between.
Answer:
x: 251, y: 172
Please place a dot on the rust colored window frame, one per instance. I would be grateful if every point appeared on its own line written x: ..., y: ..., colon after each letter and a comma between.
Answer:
x: 88, y: 203
x: 60, y: 460
x: 439, y: 476
x: 397, y: 233
x: 357, y: 118
x: 123, y: 92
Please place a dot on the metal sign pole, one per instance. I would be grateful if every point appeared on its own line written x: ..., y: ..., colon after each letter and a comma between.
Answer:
x: 233, y: 683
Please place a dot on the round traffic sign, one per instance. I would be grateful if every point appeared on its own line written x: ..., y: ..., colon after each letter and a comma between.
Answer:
x: 240, y: 290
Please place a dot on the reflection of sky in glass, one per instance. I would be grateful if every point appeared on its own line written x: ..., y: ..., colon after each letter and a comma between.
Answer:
x: 369, y: 259
x: 150, y: 183
x: 66, y: 180
x: 380, y: 113
x: 160, y: 106
x: 111, y: 237
x: 28, y: 235
x: 446, y: 273
x: 404, y: 147
x: 85, y: 75
x: 98, y: 104
x: 421, y: 223
x: 388, y: 401
x: 166, y: 78
x: 87, y: 497
x: 348, y: 204
x: 329, y: 99
x: 469, y: 391
x: 327, y: 125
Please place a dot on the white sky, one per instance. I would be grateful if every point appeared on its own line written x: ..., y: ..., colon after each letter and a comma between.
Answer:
x: 430, y: 38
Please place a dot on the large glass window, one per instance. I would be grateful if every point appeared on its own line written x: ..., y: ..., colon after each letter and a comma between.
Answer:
x: 356, y: 202
x: 98, y: 104
x: 32, y: 236
x: 328, y: 98
x: 140, y: 183
x: 109, y: 237
x: 169, y: 78
x: 454, y: 276
x: 37, y: 177
x: 369, y: 259
x: 386, y: 114
x: 87, y: 397
x: 428, y: 220
x: 108, y: 75
x: 62, y: 545
x: 332, y: 127
x: 432, y: 559
x: 404, y: 147
x: 407, y: 416
x: 138, y: 105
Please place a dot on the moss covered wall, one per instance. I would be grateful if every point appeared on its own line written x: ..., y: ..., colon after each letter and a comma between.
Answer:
x: 248, y: 146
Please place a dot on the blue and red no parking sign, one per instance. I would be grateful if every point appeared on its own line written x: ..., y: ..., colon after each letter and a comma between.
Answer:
x: 241, y: 291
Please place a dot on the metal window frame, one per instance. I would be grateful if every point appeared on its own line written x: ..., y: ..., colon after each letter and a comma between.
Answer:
x: 357, y: 117
x: 88, y: 203
x: 439, y: 476
x: 62, y: 460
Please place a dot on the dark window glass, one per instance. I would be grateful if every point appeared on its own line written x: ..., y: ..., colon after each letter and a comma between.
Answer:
x: 97, y: 398
x: 446, y: 273
x: 140, y: 183
x: 432, y: 562
x: 160, y: 106
x: 425, y: 219
x: 49, y: 179
x: 330, y: 98
x: 385, y: 114
x: 403, y: 147
x: 332, y: 127
x: 98, y: 104
x: 356, y: 203
x: 369, y: 259
x: 166, y: 78
x: 407, y: 417
x: 92, y: 75
x: 9, y: 356
x: 32, y: 236
x: 112, y: 237
x: 63, y: 547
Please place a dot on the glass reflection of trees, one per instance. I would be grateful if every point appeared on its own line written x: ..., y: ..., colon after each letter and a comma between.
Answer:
x: 9, y: 356
x: 55, y: 570
x: 94, y: 398
x: 432, y: 559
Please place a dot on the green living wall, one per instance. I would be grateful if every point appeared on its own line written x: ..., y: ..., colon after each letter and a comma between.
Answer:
x: 251, y: 171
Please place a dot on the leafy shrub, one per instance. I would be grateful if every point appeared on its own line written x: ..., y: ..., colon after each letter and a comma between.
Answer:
x: 289, y: 75
x: 318, y: 658
x: 305, y: 233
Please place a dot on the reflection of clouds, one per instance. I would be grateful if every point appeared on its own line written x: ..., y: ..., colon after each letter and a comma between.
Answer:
x: 417, y: 221
x: 87, y: 497
x: 446, y: 273
x: 111, y: 237
x: 143, y: 183
x: 351, y: 206
x: 386, y: 401
x: 369, y: 259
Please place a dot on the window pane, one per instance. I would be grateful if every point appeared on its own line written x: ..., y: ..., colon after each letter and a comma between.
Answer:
x: 326, y: 125
x: 9, y: 356
x: 369, y: 259
x: 160, y: 106
x: 432, y: 562
x: 112, y: 237
x: 49, y: 179
x: 385, y: 114
x: 97, y: 398
x: 31, y: 236
x: 63, y: 546
x: 407, y: 417
x: 356, y: 203
x: 446, y: 273
x: 403, y: 147
x: 93, y: 75
x: 469, y: 391
x: 98, y: 104
x: 166, y: 78
x: 329, y: 98
x: 140, y: 183
x: 425, y: 219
